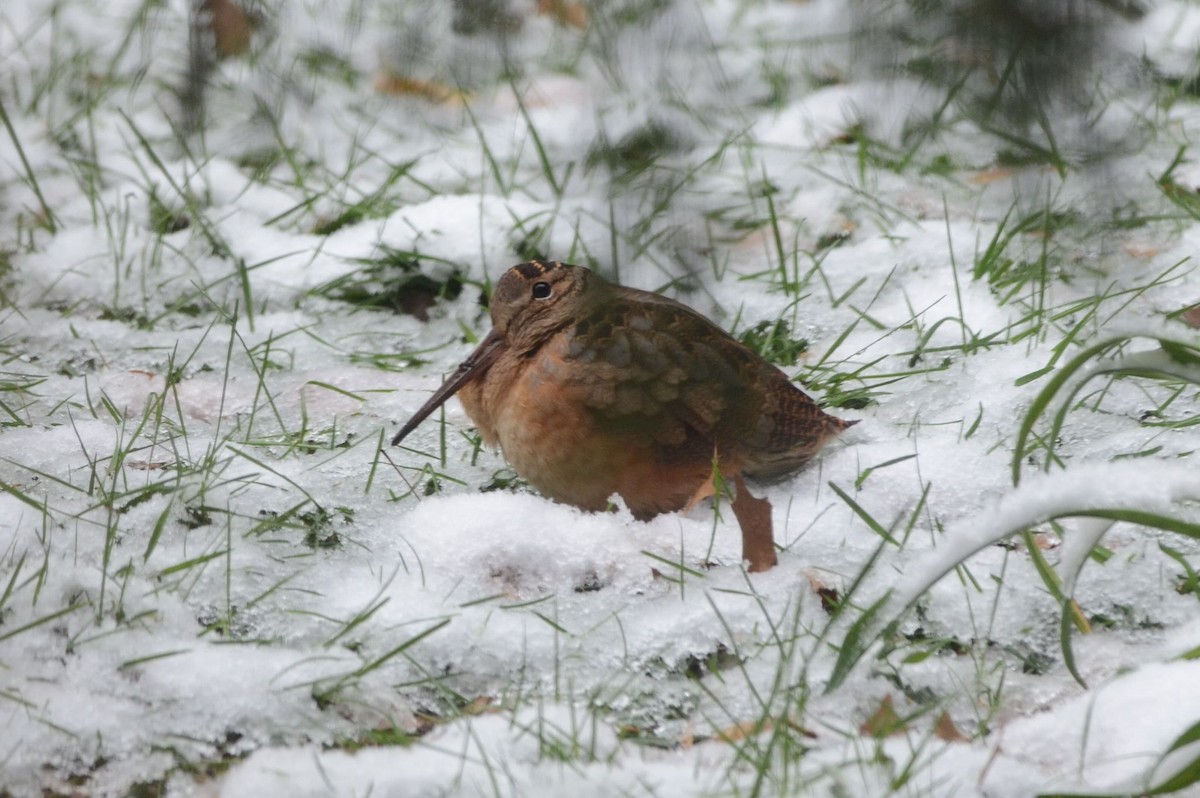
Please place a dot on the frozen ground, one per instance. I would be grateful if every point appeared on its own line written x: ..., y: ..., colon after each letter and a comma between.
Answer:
x: 214, y: 582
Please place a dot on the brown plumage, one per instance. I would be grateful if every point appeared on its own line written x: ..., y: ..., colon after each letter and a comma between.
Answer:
x: 591, y: 389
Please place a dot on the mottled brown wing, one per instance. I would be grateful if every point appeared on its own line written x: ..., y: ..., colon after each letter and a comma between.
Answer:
x: 655, y: 368
x: 799, y: 428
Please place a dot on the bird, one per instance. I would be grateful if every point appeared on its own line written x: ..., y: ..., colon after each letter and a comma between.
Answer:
x: 591, y: 389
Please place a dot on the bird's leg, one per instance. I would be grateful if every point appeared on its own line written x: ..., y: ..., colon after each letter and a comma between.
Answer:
x: 706, y: 490
x: 754, y: 517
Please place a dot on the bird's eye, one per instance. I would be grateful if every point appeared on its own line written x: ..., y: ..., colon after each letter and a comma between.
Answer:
x: 541, y: 290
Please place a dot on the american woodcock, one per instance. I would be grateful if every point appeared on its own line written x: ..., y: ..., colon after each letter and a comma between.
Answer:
x: 591, y: 389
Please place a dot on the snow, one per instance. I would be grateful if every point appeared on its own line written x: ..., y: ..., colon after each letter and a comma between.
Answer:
x: 470, y: 758
x: 213, y: 581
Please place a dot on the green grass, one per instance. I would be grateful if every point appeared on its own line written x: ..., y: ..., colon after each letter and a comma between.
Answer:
x: 225, y: 476
x: 393, y: 281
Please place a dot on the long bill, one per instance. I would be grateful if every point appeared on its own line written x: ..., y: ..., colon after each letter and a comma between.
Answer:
x: 476, y: 364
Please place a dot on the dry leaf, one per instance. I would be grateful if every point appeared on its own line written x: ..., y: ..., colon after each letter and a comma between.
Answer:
x: 1046, y: 541
x: 564, y: 12
x: 830, y: 597
x: 945, y: 729
x: 803, y: 731
x: 1142, y: 251
x: 741, y: 731
x: 479, y: 706
x: 231, y: 26
x: 402, y: 86
x: 1191, y: 317
x: 990, y: 176
x: 884, y: 721
x: 758, y: 537
x: 147, y: 465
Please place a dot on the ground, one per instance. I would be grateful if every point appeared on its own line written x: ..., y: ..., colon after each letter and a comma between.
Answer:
x: 224, y: 283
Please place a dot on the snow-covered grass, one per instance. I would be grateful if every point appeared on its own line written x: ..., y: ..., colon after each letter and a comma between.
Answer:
x: 216, y: 579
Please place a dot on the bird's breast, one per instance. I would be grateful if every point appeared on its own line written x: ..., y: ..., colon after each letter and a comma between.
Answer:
x: 534, y: 407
